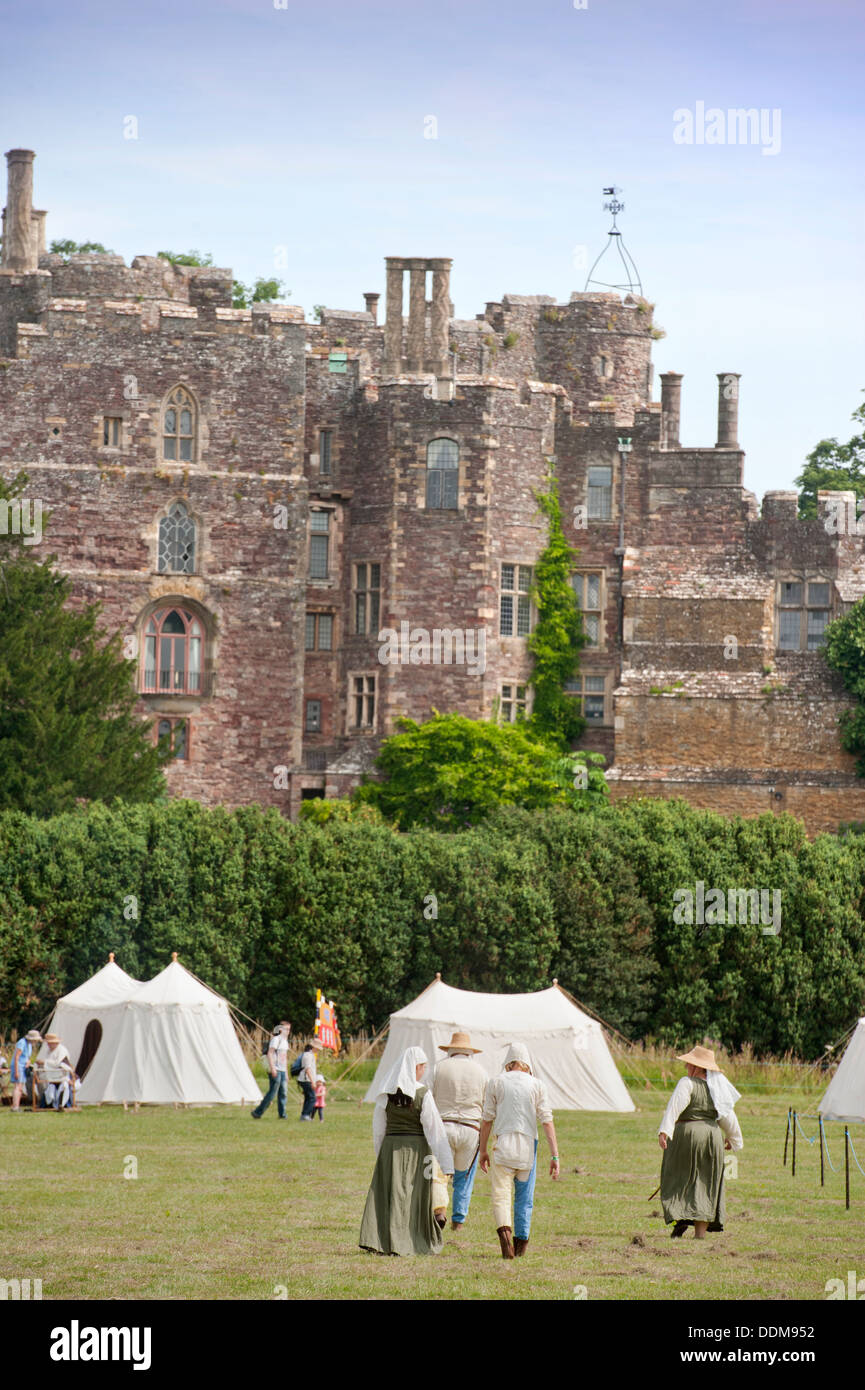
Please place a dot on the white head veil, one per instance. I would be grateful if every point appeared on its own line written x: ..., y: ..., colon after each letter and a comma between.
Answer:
x: 518, y: 1052
x: 723, y: 1092
x: 401, y: 1076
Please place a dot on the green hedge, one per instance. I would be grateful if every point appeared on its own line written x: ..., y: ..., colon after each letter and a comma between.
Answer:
x: 265, y: 911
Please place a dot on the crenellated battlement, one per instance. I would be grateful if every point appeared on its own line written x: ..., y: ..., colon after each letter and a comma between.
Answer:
x: 64, y: 316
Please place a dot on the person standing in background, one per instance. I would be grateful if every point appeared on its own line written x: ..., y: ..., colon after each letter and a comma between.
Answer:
x: 277, y: 1062
x: 22, y: 1069
x: 308, y: 1077
x: 320, y: 1098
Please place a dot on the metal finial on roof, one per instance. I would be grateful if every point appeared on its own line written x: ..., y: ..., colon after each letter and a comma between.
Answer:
x: 174, y: 955
x: 438, y: 974
x: 631, y: 282
x: 110, y: 955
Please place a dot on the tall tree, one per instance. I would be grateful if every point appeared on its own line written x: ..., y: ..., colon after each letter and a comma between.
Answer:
x: 68, y: 730
x: 833, y: 467
x: 450, y: 773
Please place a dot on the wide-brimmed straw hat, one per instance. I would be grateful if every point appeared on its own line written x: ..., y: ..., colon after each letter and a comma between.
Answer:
x: 460, y: 1042
x: 51, y: 1038
x: 33, y: 1036
x: 700, y: 1057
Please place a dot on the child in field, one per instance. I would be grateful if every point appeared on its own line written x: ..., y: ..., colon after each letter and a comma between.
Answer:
x: 320, y: 1094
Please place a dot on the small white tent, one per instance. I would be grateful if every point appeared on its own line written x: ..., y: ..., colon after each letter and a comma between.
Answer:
x: 84, y: 1007
x: 567, y: 1048
x: 845, y: 1095
x: 170, y: 1040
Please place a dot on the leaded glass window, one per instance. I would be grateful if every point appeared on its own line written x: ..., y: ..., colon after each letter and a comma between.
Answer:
x: 177, y: 541
x: 178, y: 426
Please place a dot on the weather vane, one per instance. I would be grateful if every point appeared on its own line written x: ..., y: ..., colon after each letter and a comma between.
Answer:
x: 631, y: 282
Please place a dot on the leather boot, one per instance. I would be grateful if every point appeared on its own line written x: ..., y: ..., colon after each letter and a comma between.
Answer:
x: 504, y: 1235
x: 520, y: 1245
x: 456, y: 1225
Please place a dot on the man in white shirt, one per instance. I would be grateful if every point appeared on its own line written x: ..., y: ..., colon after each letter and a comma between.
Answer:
x: 458, y: 1091
x: 515, y: 1103
x: 307, y: 1077
x: 277, y: 1064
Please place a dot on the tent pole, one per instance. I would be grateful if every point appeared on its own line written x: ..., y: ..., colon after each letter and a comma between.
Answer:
x: 847, y: 1167
x: 787, y: 1135
x: 821, y: 1149
x: 794, y: 1143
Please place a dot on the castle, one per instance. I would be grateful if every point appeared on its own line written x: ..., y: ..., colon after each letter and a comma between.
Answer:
x: 306, y: 530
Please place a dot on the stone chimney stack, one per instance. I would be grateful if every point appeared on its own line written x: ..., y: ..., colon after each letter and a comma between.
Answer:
x: 440, y: 315
x: 671, y: 409
x: 728, y: 410
x: 19, y: 243
x: 422, y: 354
x: 39, y: 232
x: 371, y: 302
x: 393, y: 316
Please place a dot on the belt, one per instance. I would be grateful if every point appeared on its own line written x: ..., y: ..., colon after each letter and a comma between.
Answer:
x: 467, y: 1123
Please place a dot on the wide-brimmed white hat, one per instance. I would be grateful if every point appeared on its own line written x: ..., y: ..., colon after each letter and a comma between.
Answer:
x: 700, y: 1057
x: 460, y: 1042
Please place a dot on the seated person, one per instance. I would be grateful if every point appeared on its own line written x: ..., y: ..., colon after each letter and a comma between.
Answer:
x: 55, y: 1072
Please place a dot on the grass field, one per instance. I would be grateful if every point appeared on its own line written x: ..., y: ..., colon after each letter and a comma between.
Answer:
x: 227, y: 1208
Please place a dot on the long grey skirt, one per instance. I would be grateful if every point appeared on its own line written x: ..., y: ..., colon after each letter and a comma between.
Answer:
x: 398, y: 1216
x: 692, y: 1174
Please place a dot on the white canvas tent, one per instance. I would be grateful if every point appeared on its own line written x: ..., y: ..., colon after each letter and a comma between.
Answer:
x: 170, y: 1040
x: 85, y: 1006
x: 567, y: 1048
x: 845, y: 1095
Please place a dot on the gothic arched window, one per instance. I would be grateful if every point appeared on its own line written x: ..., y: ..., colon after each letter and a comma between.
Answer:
x: 442, y: 473
x: 176, y: 541
x: 178, y: 426
x: 173, y: 651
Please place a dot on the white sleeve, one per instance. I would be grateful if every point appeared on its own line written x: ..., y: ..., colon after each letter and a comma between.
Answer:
x: 543, y: 1109
x: 435, y: 1133
x: 675, y: 1105
x: 490, y: 1101
x: 379, y: 1126
x: 729, y: 1125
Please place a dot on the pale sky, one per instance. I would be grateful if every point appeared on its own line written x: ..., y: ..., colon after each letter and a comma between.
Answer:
x: 291, y: 141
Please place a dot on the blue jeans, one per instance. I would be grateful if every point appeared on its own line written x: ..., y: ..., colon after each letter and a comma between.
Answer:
x: 308, y: 1111
x: 524, y: 1200
x: 278, y: 1088
x: 464, y: 1181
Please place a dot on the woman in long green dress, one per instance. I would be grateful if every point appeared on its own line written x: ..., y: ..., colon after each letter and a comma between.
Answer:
x: 699, y: 1123
x: 398, y: 1218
